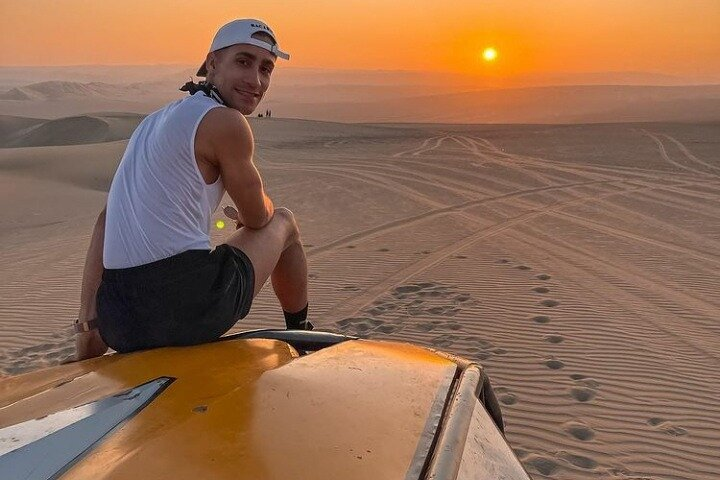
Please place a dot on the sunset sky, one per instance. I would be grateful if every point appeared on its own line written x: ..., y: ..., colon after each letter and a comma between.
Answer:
x: 676, y: 37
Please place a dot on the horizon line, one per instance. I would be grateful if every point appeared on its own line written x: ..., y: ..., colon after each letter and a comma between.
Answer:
x: 454, y: 72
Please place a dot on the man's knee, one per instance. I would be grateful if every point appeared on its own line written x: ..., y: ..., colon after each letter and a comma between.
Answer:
x: 287, y: 217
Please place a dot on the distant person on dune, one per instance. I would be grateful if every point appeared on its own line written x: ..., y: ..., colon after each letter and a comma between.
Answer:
x: 151, y: 278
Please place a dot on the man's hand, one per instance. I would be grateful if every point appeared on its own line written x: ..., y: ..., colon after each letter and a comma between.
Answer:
x: 232, y: 214
x: 89, y: 345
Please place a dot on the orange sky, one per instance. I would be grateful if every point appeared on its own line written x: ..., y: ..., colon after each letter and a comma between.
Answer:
x: 678, y: 37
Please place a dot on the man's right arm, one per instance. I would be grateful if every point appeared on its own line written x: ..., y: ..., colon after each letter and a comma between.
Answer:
x: 224, y: 138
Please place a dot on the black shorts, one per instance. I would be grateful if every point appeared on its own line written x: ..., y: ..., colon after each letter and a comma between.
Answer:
x: 190, y: 298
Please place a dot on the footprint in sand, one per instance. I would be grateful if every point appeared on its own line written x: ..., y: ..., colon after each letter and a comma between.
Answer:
x: 483, y: 355
x: 405, y: 306
x: 350, y: 246
x: 387, y: 328
x: 503, y: 260
x: 521, y: 452
x: 554, y: 338
x: 582, y: 394
x: 543, y: 276
x: 377, y: 310
x: 523, y: 267
x: 666, y: 426
x: 544, y: 465
x: 444, y: 341
x: 541, y: 290
x: 549, y: 303
x: 424, y: 327
x: 39, y: 356
x: 308, y: 245
x: 554, y: 364
x: 505, y: 397
x: 407, y: 289
x: 461, y: 257
x: 383, y: 250
x: 578, y: 460
x: 541, y: 319
x: 431, y: 293
x: 499, y: 351
x: 359, y: 326
x: 580, y: 431
x: 444, y: 311
x: 350, y: 288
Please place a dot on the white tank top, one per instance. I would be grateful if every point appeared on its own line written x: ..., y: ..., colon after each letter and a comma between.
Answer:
x: 159, y: 204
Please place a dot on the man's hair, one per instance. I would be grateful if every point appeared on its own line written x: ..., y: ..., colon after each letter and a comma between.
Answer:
x: 265, y: 37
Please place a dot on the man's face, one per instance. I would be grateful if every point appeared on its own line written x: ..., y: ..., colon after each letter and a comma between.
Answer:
x: 242, y: 75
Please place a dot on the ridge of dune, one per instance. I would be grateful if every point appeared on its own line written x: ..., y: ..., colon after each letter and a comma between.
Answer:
x: 82, y: 129
x: 12, y: 126
x: 55, y: 89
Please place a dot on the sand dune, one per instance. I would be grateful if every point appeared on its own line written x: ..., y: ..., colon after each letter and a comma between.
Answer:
x: 83, y: 129
x: 53, y: 89
x: 57, y: 99
x: 11, y: 127
x: 578, y: 263
x: 563, y: 104
x: 372, y: 103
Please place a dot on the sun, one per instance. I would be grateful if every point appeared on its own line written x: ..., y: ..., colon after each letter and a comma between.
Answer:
x: 489, y: 54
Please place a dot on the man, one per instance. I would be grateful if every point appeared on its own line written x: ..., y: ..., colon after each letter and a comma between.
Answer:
x: 150, y: 277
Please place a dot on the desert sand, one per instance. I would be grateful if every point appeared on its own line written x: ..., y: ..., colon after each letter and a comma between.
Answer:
x: 579, y: 264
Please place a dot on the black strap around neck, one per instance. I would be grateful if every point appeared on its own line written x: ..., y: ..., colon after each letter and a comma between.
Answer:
x: 208, y: 89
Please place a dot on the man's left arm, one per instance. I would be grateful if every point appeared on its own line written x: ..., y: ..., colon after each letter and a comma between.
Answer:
x: 89, y: 344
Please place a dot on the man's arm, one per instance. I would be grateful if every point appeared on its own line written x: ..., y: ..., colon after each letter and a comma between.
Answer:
x: 89, y: 344
x: 225, y: 138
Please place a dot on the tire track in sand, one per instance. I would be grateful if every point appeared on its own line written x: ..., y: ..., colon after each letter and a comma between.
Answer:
x: 440, y: 209
x: 406, y: 221
x: 689, y: 154
x: 424, y: 146
x: 666, y: 157
x: 353, y: 305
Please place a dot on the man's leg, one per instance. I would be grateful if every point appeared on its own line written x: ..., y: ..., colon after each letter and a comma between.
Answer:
x: 277, y: 253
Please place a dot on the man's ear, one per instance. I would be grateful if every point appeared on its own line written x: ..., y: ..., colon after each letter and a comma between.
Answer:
x: 211, y: 61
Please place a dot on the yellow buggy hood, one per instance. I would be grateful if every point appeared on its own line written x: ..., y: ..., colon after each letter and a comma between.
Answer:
x: 241, y: 408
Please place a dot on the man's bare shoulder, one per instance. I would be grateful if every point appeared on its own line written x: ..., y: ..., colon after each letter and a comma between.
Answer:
x: 223, y: 131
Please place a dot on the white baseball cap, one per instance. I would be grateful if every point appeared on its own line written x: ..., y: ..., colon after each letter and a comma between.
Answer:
x: 241, y: 31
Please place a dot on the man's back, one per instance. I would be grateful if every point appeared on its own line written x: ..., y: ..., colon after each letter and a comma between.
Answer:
x: 162, y: 284
x: 159, y: 205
